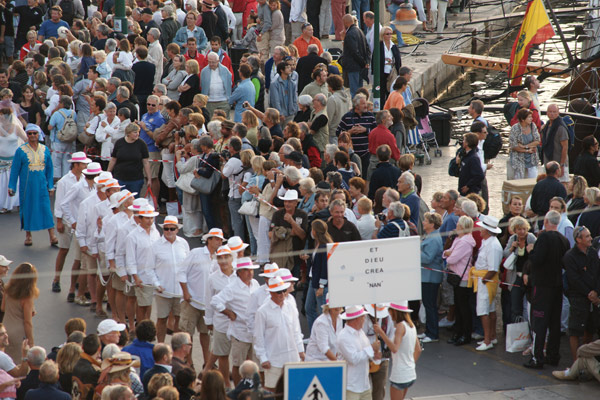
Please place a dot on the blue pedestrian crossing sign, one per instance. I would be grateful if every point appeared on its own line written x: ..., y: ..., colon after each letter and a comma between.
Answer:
x: 315, y: 380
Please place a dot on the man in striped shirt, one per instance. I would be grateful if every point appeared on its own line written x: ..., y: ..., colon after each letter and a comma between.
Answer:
x: 358, y: 122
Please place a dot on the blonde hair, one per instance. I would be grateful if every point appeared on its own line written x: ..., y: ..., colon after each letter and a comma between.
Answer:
x: 67, y: 357
x: 365, y: 204
x: 193, y: 66
x: 383, y: 31
x: 465, y: 223
x: 202, y: 99
x: 518, y: 222
x: 246, y: 157
x: 257, y: 165
x: 100, y: 54
x: 251, y: 119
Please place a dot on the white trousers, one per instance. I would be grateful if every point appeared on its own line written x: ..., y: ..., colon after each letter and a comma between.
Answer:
x: 262, y: 240
x: 438, y: 13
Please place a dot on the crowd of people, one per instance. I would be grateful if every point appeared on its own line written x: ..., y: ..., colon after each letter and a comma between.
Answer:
x: 266, y: 164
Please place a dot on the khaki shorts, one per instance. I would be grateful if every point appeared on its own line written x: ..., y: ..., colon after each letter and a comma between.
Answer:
x: 144, y: 296
x: 240, y: 352
x: 366, y: 395
x: 154, y: 166
x: 102, y: 264
x: 272, y: 375
x: 88, y: 262
x: 220, y: 344
x: 164, y: 305
x: 117, y: 283
x: 191, y: 319
x: 65, y: 238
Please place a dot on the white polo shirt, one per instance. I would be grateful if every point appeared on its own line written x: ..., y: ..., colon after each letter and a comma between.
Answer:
x: 166, y: 256
x: 217, y: 281
x: 138, y: 251
x: 355, y: 348
x: 194, y: 271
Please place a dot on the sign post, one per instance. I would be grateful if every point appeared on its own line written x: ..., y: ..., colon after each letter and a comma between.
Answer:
x: 324, y: 380
x: 374, y: 271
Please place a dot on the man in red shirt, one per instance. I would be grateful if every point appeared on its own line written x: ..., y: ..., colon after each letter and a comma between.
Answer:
x: 382, y: 135
x: 307, y: 39
x: 192, y: 53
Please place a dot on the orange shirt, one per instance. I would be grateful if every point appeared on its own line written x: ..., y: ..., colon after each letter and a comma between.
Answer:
x: 395, y: 100
x: 302, y: 45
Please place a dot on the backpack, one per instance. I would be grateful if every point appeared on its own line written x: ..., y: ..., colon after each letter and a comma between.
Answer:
x: 68, y: 11
x: 68, y: 132
x: 453, y: 166
x: 402, y: 232
x: 492, y: 143
x: 570, y: 125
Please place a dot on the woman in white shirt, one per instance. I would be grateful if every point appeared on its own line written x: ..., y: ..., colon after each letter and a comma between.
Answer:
x: 107, y: 129
x: 366, y: 221
x: 405, y: 349
x: 322, y: 345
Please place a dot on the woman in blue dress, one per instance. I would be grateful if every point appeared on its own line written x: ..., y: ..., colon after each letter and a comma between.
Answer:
x: 32, y: 168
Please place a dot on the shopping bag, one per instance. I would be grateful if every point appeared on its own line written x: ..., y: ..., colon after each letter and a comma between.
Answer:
x: 518, y: 337
x: 173, y: 208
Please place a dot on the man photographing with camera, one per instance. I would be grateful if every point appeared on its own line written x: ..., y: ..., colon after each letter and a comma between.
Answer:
x: 233, y: 171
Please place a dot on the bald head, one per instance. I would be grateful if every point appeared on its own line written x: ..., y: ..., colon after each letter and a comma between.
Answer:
x: 348, y: 20
x: 553, y: 112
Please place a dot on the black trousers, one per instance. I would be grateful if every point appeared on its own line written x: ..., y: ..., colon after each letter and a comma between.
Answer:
x: 313, y: 9
x: 546, y: 306
x: 462, y: 323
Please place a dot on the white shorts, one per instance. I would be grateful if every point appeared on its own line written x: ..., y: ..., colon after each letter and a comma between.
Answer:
x: 483, y: 300
x: 565, y: 177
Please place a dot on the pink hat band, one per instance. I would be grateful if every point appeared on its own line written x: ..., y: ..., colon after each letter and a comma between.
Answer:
x: 286, y: 277
x: 79, y: 159
x: 399, y: 307
x: 244, y: 265
x: 355, y: 314
x: 94, y: 171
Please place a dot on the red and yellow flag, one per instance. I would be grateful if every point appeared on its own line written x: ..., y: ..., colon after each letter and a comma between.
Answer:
x: 535, y: 29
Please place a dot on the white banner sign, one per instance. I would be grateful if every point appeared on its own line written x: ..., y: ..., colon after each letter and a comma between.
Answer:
x: 374, y: 271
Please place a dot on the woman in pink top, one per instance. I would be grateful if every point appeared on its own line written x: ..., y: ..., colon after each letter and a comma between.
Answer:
x: 459, y: 259
x: 395, y: 99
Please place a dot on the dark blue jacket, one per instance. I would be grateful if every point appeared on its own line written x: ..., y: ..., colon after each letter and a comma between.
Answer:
x: 471, y: 175
x: 144, y: 351
x: 156, y: 369
x: 47, y: 391
x: 385, y: 174
x: 319, y: 267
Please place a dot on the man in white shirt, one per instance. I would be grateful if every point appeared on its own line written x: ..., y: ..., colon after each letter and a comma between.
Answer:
x: 69, y: 210
x: 261, y: 295
x: 167, y: 253
x: 85, y: 230
x: 110, y: 228
x: 7, y: 364
x: 193, y: 276
x: 486, y: 278
x: 277, y: 335
x: 355, y: 348
x: 101, y: 211
x: 369, y: 21
x: 79, y: 162
x: 480, y: 129
x: 216, y: 321
x: 233, y: 302
x: 138, y: 250
x: 155, y: 53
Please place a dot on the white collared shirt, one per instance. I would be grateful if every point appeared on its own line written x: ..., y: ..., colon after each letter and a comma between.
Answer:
x: 259, y: 297
x: 277, y: 334
x: 355, y: 348
x: 298, y: 11
x: 194, y: 272
x: 217, y: 281
x: 121, y: 244
x: 62, y: 188
x: 481, y: 156
x: 84, y: 230
x: 138, y: 250
x: 489, y: 256
x: 100, y: 210
x: 105, y: 134
x: 323, y: 338
x: 111, y: 230
x: 217, y: 86
x: 73, y: 199
x: 166, y: 256
x: 236, y: 297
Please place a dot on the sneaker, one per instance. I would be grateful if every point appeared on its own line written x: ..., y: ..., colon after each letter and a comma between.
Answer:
x: 82, y: 301
x: 421, y: 336
x: 444, y: 323
x: 88, y: 296
x: 71, y: 298
x: 476, y: 336
x: 494, y: 342
x: 56, y: 287
x: 484, y: 347
x: 427, y: 339
x: 562, y: 375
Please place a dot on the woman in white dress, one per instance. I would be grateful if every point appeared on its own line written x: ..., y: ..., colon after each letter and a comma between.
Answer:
x: 322, y: 345
x: 12, y: 136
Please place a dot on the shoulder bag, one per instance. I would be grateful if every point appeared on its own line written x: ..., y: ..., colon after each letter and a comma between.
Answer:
x: 250, y: 207
x: 455, y: 280
x: 205, y: 185
x: 185, y: 180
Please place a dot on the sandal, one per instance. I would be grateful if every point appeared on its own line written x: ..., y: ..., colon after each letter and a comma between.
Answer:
x: 28, y: 241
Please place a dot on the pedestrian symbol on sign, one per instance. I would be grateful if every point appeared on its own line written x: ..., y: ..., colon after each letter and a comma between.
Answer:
x: 315, y: 391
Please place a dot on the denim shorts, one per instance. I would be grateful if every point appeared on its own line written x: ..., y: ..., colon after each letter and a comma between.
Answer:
x: 402, y: 386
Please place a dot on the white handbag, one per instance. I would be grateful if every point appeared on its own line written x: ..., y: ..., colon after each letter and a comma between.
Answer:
x: 510, y: 261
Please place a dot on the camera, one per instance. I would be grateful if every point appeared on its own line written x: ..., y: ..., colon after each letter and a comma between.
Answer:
x: 381, y: 216
x: 181, y: 133
x: 245, y: 104
x: 225, y: 154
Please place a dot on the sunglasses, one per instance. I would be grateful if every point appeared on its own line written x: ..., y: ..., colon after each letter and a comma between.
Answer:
x: 169, y: 229
x: 577, y: 231
x: 150, y: 104
x: 32, y: 133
